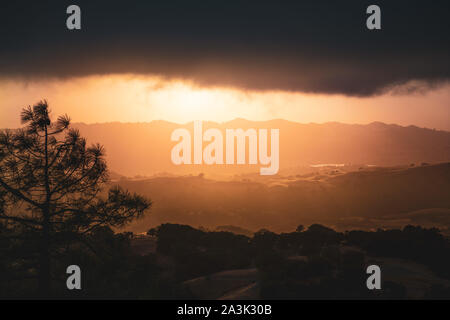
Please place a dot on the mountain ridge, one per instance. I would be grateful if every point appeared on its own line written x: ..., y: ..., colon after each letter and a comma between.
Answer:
x: 159, y: 121
x: 145, y: 148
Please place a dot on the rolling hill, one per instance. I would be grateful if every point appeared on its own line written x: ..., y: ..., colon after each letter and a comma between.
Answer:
x: 366, y: 199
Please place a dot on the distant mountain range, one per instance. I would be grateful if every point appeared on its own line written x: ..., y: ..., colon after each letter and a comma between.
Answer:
x: 144, y: 148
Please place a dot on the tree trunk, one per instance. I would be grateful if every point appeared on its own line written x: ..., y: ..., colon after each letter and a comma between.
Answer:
x: 44, y: 260
x: 44, y: 270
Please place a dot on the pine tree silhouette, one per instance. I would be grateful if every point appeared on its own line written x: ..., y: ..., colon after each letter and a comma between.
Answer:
x: 51, y: 186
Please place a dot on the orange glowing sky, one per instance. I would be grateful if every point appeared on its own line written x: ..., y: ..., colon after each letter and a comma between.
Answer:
x: 130, y: 98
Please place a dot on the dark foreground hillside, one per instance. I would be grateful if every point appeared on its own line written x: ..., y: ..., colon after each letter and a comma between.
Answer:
x: 313, y: 263
x: 178, y: 261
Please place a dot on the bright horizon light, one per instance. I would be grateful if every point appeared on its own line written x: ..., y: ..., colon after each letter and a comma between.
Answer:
x: 132, y: 98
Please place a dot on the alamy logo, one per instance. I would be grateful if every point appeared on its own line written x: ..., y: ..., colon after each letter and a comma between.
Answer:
x: 373, y: 22
x: 74, y: 280
x: 213, y: 153
x: 73, y: 22
x: 374, y: 280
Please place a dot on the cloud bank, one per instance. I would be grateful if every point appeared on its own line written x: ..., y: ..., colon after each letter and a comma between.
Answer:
x: 302, y: 46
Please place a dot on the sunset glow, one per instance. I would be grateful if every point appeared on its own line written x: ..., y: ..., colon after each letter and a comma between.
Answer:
x: 131, y: 98
x: 226, y: 157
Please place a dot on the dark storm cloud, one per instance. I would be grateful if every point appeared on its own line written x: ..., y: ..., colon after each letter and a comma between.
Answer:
x: 309, y: 46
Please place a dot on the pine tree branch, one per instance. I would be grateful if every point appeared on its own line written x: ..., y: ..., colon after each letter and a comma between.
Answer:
x: 17, y: 219
x: 19, y: 194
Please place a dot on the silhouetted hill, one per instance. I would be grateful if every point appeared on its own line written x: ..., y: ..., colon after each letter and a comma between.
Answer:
x: 144, y: 148
x: 367, y: 199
